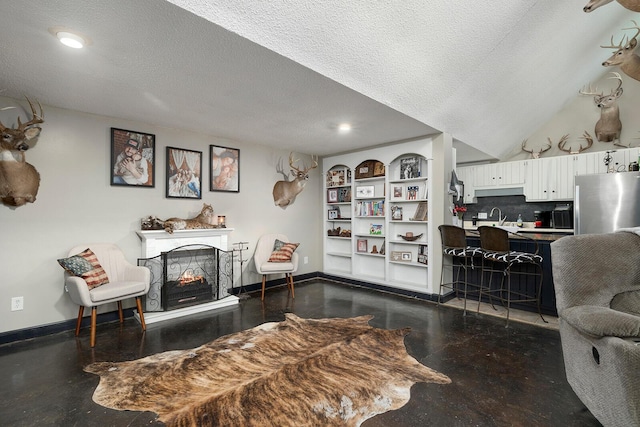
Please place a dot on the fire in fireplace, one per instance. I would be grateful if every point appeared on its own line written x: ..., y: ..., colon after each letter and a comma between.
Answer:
x: 186, y: 276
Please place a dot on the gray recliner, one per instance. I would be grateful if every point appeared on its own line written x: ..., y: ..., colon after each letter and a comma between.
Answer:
x: 597, y: 285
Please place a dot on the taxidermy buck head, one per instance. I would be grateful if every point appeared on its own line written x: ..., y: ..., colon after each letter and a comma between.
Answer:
x: 629, y: 4
x: 285, y: 192
x: 19, y: 181
x: 609, y: 126
x: 624, y: 56
x: 535, y: 154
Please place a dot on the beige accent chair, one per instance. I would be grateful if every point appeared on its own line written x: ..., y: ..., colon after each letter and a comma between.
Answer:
x: 264, y: 248
x: 597, y: 285
x: 125, y: 281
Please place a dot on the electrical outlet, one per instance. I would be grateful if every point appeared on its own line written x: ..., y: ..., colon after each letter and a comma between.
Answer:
x: 306, y: 260
x: 17, y: 303
x: 482, y: 215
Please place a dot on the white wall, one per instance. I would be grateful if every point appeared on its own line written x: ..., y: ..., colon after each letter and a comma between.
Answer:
x: 76, y: 204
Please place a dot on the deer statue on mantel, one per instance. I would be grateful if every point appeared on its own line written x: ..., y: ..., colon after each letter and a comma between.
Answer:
x: 19, y: 180
x: 624, y: 56
x: 628, y: 4
x: 609, y: 126
x: 285, y: 192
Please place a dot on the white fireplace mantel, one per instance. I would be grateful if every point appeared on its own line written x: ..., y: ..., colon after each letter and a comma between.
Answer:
x: 155, y: 242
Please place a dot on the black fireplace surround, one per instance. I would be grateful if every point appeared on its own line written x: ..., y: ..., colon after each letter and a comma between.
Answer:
x: 187, y: 276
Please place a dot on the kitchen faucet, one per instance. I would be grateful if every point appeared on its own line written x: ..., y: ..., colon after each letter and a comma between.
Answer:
x: 501, y: 219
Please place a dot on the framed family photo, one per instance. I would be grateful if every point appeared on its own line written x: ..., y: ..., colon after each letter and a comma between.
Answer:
x: 133, y: 156
x: 225, y: 169
x: 184, y: 173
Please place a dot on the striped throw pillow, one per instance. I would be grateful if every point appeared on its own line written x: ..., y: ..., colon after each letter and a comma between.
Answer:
x: 86, y: 265
x: 284, y: 253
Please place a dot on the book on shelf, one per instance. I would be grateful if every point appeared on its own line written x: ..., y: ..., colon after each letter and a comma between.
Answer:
x: 370, y: 208
x: 410, y: 167
x: 423, y: 252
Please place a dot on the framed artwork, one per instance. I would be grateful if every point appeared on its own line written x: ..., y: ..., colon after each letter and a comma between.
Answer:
x: 365, y: 191
x: 397, y: 192
x: 225, y: 169
x: 396, y: 213
x: 333, y: 213
x: 362, y: 245
x: 184, y: 173
x: 410, y: 167
x: 336, y: 177
x: 421, y: 212
x: 332, y: 196
x: 375, y: 229
x: 133, y: 157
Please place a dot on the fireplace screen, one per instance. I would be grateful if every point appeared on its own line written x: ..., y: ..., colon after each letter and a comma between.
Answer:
x: 188, y: 275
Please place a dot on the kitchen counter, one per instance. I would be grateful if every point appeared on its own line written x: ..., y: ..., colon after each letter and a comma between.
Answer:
x: 542, y: 234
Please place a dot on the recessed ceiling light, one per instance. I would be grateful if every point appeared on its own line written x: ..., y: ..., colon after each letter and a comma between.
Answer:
x: 344, y: 127
x: 70, y: 39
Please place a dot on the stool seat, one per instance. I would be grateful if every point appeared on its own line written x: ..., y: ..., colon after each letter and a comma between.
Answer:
x: 470, y: 251
x: 512, y: 257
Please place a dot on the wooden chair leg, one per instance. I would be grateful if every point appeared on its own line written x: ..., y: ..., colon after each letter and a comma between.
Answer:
x: 139, y: 305
x: 94, y: 318
x: 79, y: 322
x: 264, y: 278
x: 120, y: 314
x: 293, y: 293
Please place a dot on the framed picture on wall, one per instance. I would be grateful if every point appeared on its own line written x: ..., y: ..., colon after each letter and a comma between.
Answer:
x: 133, y: 156
x: 225, y: 169
x: 184, y: 173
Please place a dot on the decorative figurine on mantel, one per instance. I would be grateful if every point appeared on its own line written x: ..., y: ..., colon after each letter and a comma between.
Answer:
x: 204, y: 220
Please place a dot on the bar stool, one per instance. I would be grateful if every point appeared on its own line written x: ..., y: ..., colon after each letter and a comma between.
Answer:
x: 499, y: 258
x: 456, y: 255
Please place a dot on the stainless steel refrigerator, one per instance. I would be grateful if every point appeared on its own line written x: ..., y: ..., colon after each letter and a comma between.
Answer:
x: 606, y: 202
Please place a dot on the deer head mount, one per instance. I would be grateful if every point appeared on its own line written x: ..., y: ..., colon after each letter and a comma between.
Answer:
x: 19, y: 180
x: 536, y: 154
x: 609, y: 126
x: 628, y: 4
x: 285, y: 192
x: 624, y: 56
x: 585, y: 136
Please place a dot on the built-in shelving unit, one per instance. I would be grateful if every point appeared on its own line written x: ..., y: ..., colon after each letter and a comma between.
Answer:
x: 387, y: 216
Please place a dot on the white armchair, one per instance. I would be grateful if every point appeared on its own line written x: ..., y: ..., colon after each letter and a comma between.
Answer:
x: 264, y: 249
x: 125, y: 281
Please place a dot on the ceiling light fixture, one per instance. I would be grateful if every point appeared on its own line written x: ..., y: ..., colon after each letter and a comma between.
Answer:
x: 70, y: 39
x: 344, y: 127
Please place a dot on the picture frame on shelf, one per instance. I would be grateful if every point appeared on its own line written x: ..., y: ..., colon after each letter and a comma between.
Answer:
x: 400, y: 256
x: 336, y: 178
x: 344, y: 195
x: 333, y: 213
x: 412, y: 192
x: 396, y: 213
x: 421, y: 212
x: 361, y: 245
x: 410, y: 167
x: 397, y: 192
x: 375, y: 229
x: 406, y: 256
x: 423, y: 252
x: 365, y: 191
x: 332, y: 195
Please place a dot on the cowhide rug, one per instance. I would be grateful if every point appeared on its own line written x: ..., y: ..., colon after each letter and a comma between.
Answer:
x: 299, y: 372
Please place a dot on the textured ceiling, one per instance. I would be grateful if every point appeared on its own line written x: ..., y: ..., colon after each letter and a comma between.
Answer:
x: 286, y: 73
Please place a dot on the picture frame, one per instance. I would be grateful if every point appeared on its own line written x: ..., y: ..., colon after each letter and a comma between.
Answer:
x: 421, y: 212
x: 224, y: 170
x: 423, y: 252
x: 184, y: 173
x: 412, y: 192
x: 365, y: 191
x: 333, y: 213
x: 396, y: 213
x: 397, y: 192
x: 405, y: 256
x: 336, y: 178
x: 344, y: 194
x: 361, y: 245
x: 410, y: 167
x: 375, y: 229
x: 332, y: 195
x: 133, y: 158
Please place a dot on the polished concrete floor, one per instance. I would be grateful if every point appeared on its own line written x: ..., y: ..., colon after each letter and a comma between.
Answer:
x: 500, y: 376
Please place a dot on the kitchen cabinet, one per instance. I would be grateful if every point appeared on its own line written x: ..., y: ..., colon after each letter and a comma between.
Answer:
x: 549, y: 179
x: 505, y: 175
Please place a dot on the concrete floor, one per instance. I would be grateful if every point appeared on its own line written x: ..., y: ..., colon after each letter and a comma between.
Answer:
x: 500, y: 376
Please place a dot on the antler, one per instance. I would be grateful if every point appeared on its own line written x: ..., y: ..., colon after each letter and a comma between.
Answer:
x: 306, y: 169
x: 625, y: 40
x: 591, y: 91
x: 36, y: 119
x: 585, y: 136
x: 619, y: 78
x: 536, y: 154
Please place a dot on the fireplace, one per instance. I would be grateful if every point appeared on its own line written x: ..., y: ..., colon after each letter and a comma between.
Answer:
x: 186, y: 276
x: 191, y: 272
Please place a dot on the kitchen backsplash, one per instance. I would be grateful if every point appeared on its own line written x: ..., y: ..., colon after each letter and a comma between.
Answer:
x: 510, y: 206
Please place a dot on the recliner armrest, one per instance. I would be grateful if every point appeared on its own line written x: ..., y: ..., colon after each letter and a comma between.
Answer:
x: 602, y: 321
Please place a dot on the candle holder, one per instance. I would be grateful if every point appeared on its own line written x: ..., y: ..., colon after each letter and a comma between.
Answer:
x: 222, y: 221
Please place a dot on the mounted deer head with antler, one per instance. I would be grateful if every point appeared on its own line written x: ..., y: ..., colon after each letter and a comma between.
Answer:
x: 585, y: 136
x: 285, y: 192
x: 609, y: 126
x: 628, y: 4
x: 624, y: 55
x: 536, y: 154
x: 19, y: 180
